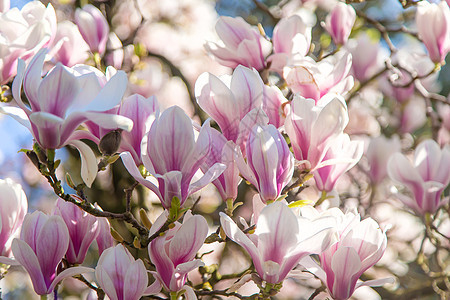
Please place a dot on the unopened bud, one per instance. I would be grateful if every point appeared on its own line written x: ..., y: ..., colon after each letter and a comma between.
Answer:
x: 144, y: 218
x: 34, y: 158
x: 109, y: 144
x: 116, y: 235
x: 136, y: 243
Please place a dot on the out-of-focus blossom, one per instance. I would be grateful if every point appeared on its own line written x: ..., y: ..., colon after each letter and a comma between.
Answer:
x: 270, y: 164
x: 281, y: 239
x: 367, y: 56
x: 444, y: 133
x: 425, y: 179
x: 43, y: 242
x: 291, y: 36
x: 241, y: 44
x: 433, y: 25
x: 340, y: 157
x: 378, y: 153
x: 412, y: 116
x: 401, y: 85
x: 69, y: 46
x: 223, y: 151
x: 172, y: 155
x: 62, y: 100
x: 272, y: 105
x: 23, y: 33
x: 313, y: 79
x: 226, y: 103
x: 116, y: 54
x: 93, y: 27
x: 311, y: 127
x: 13, y: 207
x: 83, y: 229
x: 361, y: 245
x: 147, y: 78
x: 174, y: 253
x: 4, y: 5
x: 339, y: 22
x: 121, y: 276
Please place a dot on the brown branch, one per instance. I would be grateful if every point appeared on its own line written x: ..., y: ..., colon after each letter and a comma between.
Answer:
x: 380, y: 27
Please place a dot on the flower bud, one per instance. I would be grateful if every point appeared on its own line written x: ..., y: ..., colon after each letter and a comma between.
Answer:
x: 109, y: 144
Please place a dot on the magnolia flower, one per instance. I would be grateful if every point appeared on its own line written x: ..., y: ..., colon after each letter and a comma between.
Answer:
x: 172, y: 155
x: 311, y: 128
x: 291, y: 36
x: 241, y: 44
x: 23, y: 33
x: 273, y: 103
x: 226, y: 103
x: 173, y: 254
x: 142, y: 111
x: 378, y: 153
x: 83, y: 229
x: 4, y: 5
x: 315, y: 79
x: 43, y: 242
x: 270, y: 164
x: 361, y: 245
x: 121, y: 276
x: 62, y: 100
x: 339, y: 22
x: 93, y: 27
x: 13, y: 207
x: 367, y: 58
x: 223, y: 151
x: 281, y: 240
x: 426, y: 178
x: 433, y: 25
x: 340, y: 157
x: 69, y: 46
x: 104, y: 239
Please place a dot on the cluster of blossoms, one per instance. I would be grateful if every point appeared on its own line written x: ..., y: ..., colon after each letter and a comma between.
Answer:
x: 287, y: 120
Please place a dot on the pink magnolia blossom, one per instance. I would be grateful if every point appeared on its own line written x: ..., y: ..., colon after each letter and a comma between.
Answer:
x: 361, y: 245
x: 24, y: 32
x: 433, y: 25
x: 69, y: 47
x: 121, y: 276
x: 64, y: 99
x: 4, y: 5
x: 313, y: 79
x: 104, y: 239
x: 228, y: 100
x: 311, y: 128
x: 270, y: 164
x: 426, y: 178
x: 115, y: 51
x: 172, y: 155
x: 273, y: 103
x: 142, y: 111
x: 223, y: 151
x: 241, y: 44
x: 378, y: 153
x: 340, y: 157
x: 83, y: 229
x: 367, y: 56
x: 339, y: 22
x: 281, y: 239
x: 291, y: 36
x: 93, y: 27
x: 43, y: 242
x: 13, y: 207
x: 174, y: 253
